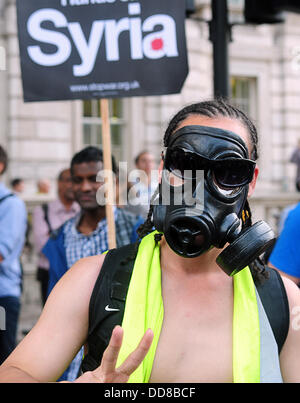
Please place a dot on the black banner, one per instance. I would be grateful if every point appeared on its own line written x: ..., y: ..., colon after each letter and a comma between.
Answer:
x: 83, y: 49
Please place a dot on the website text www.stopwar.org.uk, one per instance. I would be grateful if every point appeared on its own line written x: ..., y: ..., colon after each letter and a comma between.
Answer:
x: 100, y: 87
x: 65, y: 3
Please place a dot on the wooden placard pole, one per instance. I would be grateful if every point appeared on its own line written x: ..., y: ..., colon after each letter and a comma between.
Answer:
x: 107, y: 162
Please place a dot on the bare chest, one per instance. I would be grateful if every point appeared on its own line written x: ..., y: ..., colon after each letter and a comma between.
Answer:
x: 195, y: 343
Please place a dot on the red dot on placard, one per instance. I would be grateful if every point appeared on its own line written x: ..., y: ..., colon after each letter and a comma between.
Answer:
x: 157, y: 44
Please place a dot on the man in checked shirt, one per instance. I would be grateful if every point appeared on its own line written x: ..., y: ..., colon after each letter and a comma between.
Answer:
x: 86, y: 234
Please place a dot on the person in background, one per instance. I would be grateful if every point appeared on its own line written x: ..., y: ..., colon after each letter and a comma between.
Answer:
x: 295, y: 159
x: 285, y: 253
x: 13, y: 220
x: 43, y: 186
x: 144, y: 186
x: 48, y: 217
x: 86, y: 234
x: 17, y: 185
x: 283, y: 216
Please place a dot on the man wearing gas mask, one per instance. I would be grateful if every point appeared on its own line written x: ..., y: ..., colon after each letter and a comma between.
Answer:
x: 197, y: 308
x: 214, y: 214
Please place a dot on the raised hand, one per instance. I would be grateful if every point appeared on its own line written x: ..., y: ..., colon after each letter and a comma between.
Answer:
x: 107, y: 371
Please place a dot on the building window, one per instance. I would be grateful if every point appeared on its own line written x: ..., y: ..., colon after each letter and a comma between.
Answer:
x: 236, y: 11
x: 236, y: 3
x: 92, y: 125
x: 244, y: 95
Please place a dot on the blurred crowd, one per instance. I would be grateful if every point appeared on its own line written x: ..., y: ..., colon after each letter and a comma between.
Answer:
x: 62, y: 230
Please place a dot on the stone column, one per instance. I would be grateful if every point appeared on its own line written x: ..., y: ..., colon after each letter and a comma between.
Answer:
x: 39, y: 134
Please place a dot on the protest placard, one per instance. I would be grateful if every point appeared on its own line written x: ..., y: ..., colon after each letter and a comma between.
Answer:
x: 91, y: 49
x: 83, y: 49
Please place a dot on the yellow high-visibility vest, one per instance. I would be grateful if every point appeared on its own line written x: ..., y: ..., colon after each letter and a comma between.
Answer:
x: 255, y: 353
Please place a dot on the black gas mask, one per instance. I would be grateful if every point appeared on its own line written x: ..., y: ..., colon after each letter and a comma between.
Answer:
x: 202, y: 194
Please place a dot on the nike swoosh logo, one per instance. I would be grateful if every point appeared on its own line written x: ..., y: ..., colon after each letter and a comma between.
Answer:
x: 108, y: 309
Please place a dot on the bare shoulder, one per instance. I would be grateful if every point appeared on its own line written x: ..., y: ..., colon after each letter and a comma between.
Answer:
x: 292, y: 290
x: 62, y: 326
x: 289, y: 356
x: 86, y: 269
x: 293, y: 295
x: 79, y: 280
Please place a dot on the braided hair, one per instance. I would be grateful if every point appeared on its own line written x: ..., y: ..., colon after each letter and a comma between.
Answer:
x: 214, y: 109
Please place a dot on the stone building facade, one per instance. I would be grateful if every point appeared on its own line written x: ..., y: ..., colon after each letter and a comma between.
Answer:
x: 265, y: 80
x: 265, y: 77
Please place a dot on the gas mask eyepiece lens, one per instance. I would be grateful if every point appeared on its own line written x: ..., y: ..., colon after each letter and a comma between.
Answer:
x: 233, y: 172
x: 228, y: 173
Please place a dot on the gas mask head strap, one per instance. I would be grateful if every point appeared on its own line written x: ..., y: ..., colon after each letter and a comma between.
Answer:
x: 212, y: 132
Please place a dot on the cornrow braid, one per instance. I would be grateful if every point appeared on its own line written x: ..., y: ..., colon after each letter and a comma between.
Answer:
x: 143, y: 230
x: 214, y: 109
x: 147, y: 227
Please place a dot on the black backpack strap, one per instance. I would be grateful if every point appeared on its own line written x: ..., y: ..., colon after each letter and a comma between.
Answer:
x: 107, y: 302
x: 45, y: 209
x: 275, y: 302
x: 6, y: 197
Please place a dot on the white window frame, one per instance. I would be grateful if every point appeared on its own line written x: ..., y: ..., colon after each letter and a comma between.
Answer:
x: 251, y: 108
x: 96, y: 121
x: 260, y: 71
x: 134, y: 138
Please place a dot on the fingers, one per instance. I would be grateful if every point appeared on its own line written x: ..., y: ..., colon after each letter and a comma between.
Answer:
x: 107, y: 371
x: 137, y: 356
x: 111, y: 353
